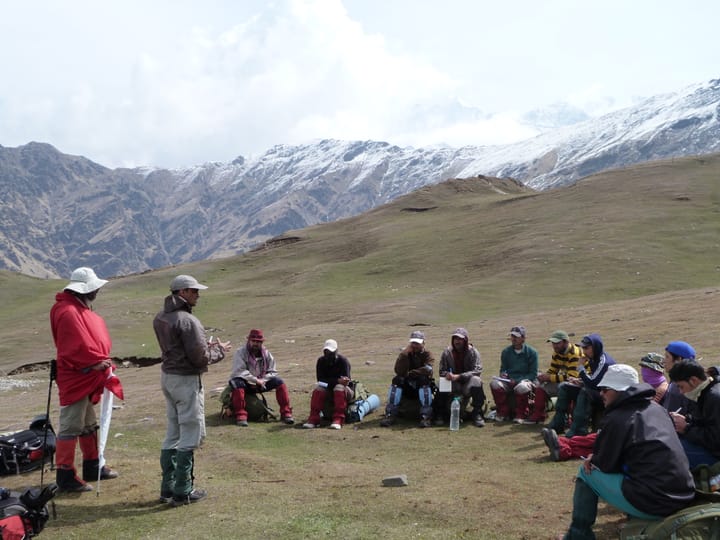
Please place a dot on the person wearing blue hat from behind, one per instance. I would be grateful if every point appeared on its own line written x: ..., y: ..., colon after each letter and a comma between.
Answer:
x: 675, y: 400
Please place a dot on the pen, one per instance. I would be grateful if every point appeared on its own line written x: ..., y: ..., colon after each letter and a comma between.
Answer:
x: 678, y: 410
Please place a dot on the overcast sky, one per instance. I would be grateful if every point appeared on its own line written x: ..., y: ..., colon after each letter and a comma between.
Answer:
x: 178, y: 82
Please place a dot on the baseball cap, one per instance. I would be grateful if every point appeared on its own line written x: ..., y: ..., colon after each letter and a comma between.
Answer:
x: 417, y: 337
x: 83, y: 280
x: 461, y: 333
x: 330, y: 345
x: 619, y: 377
x: 517, y: 331
x: 585, y: 342
x: 185, y: 282
x: 557, y: 336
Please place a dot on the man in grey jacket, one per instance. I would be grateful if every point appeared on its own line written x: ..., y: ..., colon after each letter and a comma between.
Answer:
x: 186, y: 354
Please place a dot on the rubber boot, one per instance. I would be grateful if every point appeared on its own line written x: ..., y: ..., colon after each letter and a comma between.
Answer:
x: 184, y: 461
x: 441, y: 407
x: 317, y: 402
x: 239, y: 406
x: 502, y: 410
x: 393, y: 404
x: 66, y: 476
x: 168, y: 461
x: 584, y: 512
x: 581, y: 415
x: 478, y: 400
x: 538, y: 414
x: 91, y: 461
x: 559, y: 421
x: 183, y: 491
x: 339, y: 406
x: 522, y: 405
x: 283, y: 398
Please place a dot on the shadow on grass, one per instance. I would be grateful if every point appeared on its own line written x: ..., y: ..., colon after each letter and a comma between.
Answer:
x: 71, y: 516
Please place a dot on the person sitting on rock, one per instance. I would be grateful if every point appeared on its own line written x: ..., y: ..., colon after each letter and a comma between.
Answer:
x: 414, y: 379
x: 254, y: 372
x: 332, y: 370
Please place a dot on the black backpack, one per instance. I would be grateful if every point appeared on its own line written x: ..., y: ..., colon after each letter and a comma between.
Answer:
x: 23, y: 451
x: 24, y: 515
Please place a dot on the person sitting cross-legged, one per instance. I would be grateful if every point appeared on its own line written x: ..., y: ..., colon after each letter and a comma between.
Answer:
x: 254, y: 372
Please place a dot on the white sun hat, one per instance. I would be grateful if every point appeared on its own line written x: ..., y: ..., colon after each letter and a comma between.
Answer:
x: 83, y: 280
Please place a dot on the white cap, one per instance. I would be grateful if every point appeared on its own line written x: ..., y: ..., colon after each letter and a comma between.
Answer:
x: 185, y: 282
x: 330, y: 345
x: 83, y: 280
x: 619, y: 377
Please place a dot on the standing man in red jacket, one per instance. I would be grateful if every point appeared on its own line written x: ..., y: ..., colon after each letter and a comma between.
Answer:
x: 84, y: 369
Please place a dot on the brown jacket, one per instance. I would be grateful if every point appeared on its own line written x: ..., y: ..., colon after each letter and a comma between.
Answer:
x: 411, y: 365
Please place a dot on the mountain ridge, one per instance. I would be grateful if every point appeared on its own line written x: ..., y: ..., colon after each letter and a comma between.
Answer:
x: 60, y: 212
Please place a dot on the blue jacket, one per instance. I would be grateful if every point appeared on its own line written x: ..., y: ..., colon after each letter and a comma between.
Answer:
x: 594, y: 370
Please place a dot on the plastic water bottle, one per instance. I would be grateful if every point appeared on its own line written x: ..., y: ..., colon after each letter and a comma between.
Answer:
x: 455, y: 414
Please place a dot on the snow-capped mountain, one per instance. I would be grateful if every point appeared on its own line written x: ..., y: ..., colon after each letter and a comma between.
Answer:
x: 61, y: 211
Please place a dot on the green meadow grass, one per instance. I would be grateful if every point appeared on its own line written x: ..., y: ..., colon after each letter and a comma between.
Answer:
x: 631, y: 254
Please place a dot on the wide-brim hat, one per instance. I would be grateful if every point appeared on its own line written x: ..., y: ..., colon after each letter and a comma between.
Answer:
x: 84, y: 281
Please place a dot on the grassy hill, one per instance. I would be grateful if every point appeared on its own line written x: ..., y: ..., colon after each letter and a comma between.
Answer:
x: 631, y: 254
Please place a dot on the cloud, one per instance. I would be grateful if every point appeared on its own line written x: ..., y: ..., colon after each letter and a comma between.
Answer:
x: 169, y: 83
x: 296, y: 71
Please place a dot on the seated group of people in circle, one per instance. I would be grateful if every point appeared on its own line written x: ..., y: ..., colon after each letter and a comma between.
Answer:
x: 649, y: 434
x: 254, y: 371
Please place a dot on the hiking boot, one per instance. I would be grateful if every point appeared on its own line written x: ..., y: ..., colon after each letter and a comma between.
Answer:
x: 479, y: 421
x: 388, y: 421
x: 91, y: 471
x: 68, y: 482
x: 501, y: 419
x: 308, y: 425
x: 194, y: 496
x: 242, y: 423
x: 106, y: 473
x: 289, y: 420
x: 335, y: 425
x: 165, y: 497
x: 425, y: 422
x: 527, y: 421
x: 551, y: 440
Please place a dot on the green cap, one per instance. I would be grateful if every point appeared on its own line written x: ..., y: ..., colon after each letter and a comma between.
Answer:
x: 557, y: 336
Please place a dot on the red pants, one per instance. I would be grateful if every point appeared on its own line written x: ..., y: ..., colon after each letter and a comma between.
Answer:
x: 579, y: 446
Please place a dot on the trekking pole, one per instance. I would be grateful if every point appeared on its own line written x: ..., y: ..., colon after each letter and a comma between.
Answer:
x: 53, y: 375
